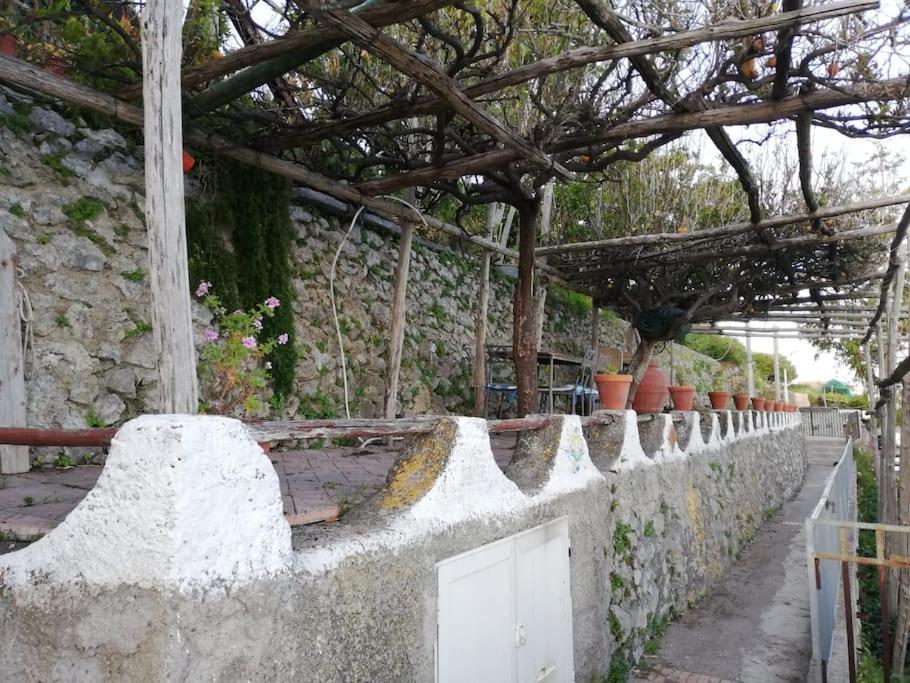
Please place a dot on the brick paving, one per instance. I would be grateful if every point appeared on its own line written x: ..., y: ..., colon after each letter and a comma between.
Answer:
x: 664, y: 674
x: 316, y: 485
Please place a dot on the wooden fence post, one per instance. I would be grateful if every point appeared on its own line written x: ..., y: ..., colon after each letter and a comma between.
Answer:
x: 172, y: 320
x: 13, y: 459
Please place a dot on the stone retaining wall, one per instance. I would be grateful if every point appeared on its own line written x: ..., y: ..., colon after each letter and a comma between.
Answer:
x: 189, y: 571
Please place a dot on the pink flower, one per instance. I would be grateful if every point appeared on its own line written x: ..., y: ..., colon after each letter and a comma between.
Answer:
x: 282, y: 339
x: 210, y: 334
x: 272, y: 303
x: 203, y: 288
x: 249, y: 342
x: 257, y: 323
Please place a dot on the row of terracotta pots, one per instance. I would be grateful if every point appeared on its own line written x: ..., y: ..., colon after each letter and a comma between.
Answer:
x: 655, y: 388
x: 9, y: 47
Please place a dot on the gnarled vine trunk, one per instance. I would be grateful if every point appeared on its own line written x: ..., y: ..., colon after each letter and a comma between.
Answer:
x: 524, y: 326
x: 638, y: 366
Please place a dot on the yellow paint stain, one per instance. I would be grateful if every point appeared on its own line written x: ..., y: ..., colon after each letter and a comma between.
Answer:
x: 415, y: 473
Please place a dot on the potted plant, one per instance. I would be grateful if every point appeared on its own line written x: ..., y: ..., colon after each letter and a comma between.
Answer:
x: 719, y: 396
x: 740, y: 397
x: 653, y: 391
x: 613, y: 388
x: 683, y: 394
x: 758, y: 403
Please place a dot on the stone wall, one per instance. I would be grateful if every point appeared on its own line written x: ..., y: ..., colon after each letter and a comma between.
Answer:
x: 657, y: 507
x: 72, y: 202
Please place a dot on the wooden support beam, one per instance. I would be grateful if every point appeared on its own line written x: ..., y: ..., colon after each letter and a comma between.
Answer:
x: 732, y: 115
x: 399, y: 313
x: 13, y: 459
x: 573, y: 59
x: 894, y: 262
x: 640, y: 261
x: 21, y: 74
x: 442, y: 85
x: 172, y: 320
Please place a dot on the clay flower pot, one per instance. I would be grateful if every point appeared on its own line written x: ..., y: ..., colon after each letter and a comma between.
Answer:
x: 740, y: 401
x: 653, y: 391
x: 719, y: 399
x: 266, y: 446
x: 758, y: 403
x: 9, y: 44
x: 613, y: 390
x: 683, y: 397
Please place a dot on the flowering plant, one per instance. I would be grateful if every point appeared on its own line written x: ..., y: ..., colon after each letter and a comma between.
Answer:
x: 233, y: 366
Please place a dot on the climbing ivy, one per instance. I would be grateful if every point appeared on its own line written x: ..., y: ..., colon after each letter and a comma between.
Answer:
x: 249, y: 209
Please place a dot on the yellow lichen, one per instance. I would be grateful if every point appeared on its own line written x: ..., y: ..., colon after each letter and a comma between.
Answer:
x: 415, y: 473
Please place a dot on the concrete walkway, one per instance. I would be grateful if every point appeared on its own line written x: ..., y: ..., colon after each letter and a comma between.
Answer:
x: 754, y: 625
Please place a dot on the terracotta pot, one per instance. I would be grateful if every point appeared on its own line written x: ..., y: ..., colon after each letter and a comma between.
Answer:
x: 683, y: 397
x: 741, y: 401
x: 613, y: 390
x: 758, y: 403
x: 188, y: 162
x: 776, y: 406
x: 653, y: 391
x: 266, y: 446
x: 719, y: 399
x: 56, y: 66
x: 9, y: 44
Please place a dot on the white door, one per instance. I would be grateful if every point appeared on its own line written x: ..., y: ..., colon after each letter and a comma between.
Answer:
x: 505, y: 611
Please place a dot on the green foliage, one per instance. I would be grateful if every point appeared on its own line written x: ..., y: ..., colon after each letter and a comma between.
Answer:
x: 251, y: 210
x: 43, y: 238
x: 764, y: 367
x: 620, y: 668
x: 615, y: 628
x: 617, y: 583
x: 83, y: 209
x: 649, y: 531
x: 136, y: 275
x: 317, y: 406
x: 61, y: 320
x: 64, y: 461
x: 17, y: 210
x: 578, y: 304
x: 869, y: 602
x: 621, y: 543
x: 92, y: 420
x: 137, y: 330
x: 233, y: 370
x: 55, y: 162
x: 717, y: 347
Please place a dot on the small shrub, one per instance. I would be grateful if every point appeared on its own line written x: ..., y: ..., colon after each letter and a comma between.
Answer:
x: 649, y: 531
x: 617, y: 583
x: 621, y: 544
x: 43, y: 238
x: 133, y: 275
x: 62, y: 321
x: 136, y: 330
x: 55, y: 162
x: 17, y: 210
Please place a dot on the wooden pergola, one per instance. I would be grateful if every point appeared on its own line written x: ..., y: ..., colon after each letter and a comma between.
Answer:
x: 429, y: 99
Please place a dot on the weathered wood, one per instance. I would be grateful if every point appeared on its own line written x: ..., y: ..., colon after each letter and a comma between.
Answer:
x: 894, y: 263
x: 777, y: 393
x: 22, y: 74
x: 546, y: 217
x: 572, y: 59
x: 172, y: 320
x: 732, y: 115
x: 13, y: 459
x: 437, y: 81
x: 398, y: 313
x: 493, y: 218
x: 638, y: 366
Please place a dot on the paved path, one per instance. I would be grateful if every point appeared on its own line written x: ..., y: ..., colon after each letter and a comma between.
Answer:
x: 316, y: 485
x: 754, y: 625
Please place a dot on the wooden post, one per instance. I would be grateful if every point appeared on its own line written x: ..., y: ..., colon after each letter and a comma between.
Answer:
x: 399, y: 300
x: 750, y: 370
x: 494, y: 216
x: 546, y: 215
x: 595, y: 333
x: 786, y: 387
x: 13, y: 459
x: 777, y: 394
x: 172, y: 320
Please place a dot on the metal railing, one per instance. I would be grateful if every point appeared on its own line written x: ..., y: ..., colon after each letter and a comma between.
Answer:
x: 822, y: 422
x: 837, y: 505
x: 832, y: 535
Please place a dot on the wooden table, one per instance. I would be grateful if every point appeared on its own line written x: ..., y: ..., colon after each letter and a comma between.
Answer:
x: 545, y: 358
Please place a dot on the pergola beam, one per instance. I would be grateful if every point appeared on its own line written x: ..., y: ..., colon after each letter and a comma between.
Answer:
x: 576, y: 58
x: 21, y: 74
x: 443, y: 86
x: 894, y: 262
x: 734, y: 115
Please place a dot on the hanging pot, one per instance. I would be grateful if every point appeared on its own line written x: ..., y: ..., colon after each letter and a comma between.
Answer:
x: 719, y: 399
x: 613, y: 390
x: 683, y: 397
x: 741, y: 401
x: 56, y: 66
x: 653, y: 391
